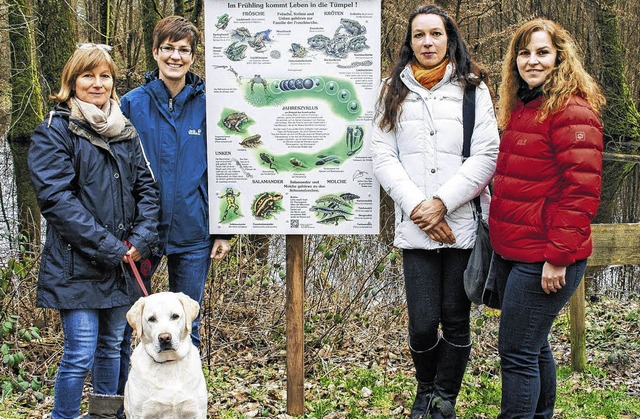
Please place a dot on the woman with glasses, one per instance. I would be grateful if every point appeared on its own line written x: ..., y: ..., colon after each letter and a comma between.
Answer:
x: 169, y: 112
x: 96, y: 192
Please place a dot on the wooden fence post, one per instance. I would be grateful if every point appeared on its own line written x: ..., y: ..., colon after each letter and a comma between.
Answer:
x: 577, y: 329
x: 613, y: 244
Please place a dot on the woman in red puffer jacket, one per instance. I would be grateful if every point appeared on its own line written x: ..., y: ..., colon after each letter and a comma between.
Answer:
x: 546, y: 192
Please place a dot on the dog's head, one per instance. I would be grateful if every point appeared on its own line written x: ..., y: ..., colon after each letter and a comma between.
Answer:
x: 162, y: 322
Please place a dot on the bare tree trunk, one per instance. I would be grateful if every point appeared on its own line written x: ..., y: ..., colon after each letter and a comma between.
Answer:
x: 5, y: 66
x: 132, y: 44
x: 178, y: 7
x: 620, y: 117
x: 105, y: 22
x: 56, y: 41
x: 191, y: 9
x: 26, y: 114
x: 196, y: 12
x: 149, y: 18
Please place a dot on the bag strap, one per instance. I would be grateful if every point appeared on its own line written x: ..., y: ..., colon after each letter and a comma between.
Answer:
x: 468, y: 122
x: 468, y: 119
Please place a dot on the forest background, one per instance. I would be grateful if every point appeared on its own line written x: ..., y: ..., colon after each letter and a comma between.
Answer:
x: 356, y: 362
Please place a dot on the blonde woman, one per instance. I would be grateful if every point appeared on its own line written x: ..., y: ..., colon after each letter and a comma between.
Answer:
x: 95, y: 191
x: 546, y: 192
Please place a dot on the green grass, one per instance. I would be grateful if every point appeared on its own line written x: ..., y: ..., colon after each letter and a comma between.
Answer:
x: 373, y: 377
x: 378, y: 392
x: 580, y: 395
x: 375, y: 393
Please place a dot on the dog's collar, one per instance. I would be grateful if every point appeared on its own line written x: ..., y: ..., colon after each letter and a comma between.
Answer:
x: 163, y: 362
x: 158, y: 362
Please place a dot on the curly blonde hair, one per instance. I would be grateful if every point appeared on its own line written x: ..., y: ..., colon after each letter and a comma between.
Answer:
x: 567, y: 79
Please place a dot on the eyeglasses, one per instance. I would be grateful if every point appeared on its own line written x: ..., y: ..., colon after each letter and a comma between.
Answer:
x: 183, y: 51
x: 89, y: 45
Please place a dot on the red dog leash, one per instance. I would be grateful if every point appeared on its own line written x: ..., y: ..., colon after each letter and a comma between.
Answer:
x: 136, y: 274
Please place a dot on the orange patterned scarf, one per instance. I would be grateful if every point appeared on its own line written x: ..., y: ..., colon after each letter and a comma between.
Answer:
x: 429, y: 77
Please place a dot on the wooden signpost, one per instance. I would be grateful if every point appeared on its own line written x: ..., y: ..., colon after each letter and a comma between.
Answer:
x: 295, y: 324
x: 288, y: 117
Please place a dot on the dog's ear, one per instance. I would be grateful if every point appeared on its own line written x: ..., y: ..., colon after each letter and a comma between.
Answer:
x: 134, y: 317
x: 191, y: 308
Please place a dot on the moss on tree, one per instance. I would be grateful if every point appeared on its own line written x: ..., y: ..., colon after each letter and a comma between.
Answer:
x: 620, y: 116
x: 56, y: 42
x: 26, y: 114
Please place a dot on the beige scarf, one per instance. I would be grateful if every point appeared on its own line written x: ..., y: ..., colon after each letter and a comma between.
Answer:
x: 107, y: 121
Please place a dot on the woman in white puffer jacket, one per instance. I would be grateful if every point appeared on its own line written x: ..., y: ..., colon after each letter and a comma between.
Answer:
x: 417, y: 156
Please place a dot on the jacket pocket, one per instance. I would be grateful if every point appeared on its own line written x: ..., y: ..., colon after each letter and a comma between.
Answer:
x: 82, y: 269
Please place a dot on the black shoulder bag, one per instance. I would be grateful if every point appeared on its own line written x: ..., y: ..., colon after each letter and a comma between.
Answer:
x: 477, y: 271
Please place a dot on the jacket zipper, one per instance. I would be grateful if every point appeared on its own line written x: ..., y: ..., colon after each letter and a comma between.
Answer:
x: 170, y: 104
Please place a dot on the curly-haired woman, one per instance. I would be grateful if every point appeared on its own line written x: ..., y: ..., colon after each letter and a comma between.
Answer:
x: 546, y: 192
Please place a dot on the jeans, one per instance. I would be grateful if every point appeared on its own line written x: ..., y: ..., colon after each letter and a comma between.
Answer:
x: 435, y: 296
x: 188, y: 273
x: 528, y: 368
x: 92, y: 339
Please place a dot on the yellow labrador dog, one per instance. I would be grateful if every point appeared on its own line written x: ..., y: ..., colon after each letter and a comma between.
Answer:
x: 166, y: 379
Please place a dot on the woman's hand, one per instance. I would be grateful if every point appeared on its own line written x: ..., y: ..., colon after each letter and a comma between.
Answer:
x: 428, y: 213
x: 220, y: 249
x: 133, y: 252
x: 553, y: 277
x: 442, y: 233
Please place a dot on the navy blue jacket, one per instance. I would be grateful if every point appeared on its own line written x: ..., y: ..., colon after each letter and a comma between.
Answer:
x: 174, y: 135
x: 94, y: 193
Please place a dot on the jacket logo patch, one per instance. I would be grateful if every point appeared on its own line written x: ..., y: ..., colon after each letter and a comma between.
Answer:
x: 522, y: 141
x: 580, y: 136
x: 195, y: 132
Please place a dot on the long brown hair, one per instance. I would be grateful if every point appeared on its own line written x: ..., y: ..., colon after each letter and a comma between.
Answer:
x: 567, y: 79
x: 394, y: 91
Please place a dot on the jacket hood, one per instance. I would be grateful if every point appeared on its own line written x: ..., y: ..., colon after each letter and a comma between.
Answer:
x: 61, y: 110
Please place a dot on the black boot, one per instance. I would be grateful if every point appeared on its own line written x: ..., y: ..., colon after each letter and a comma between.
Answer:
x: 424, y: 394
x: 104, y: 406
x: 452, y: 362
x: 425, y: 365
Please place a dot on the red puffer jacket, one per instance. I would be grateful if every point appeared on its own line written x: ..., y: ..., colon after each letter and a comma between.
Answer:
x: 547, y: 184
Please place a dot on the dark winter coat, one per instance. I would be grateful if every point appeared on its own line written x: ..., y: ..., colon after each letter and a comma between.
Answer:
x: 547, y: 184
x: 173, y: 132
x: 94, y: 193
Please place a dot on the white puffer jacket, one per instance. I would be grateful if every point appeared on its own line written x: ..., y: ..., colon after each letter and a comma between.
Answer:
x: 423, y: 159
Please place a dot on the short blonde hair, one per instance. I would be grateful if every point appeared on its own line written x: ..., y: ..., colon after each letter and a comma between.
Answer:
x: 567, y: 79
x: 85, y: 58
